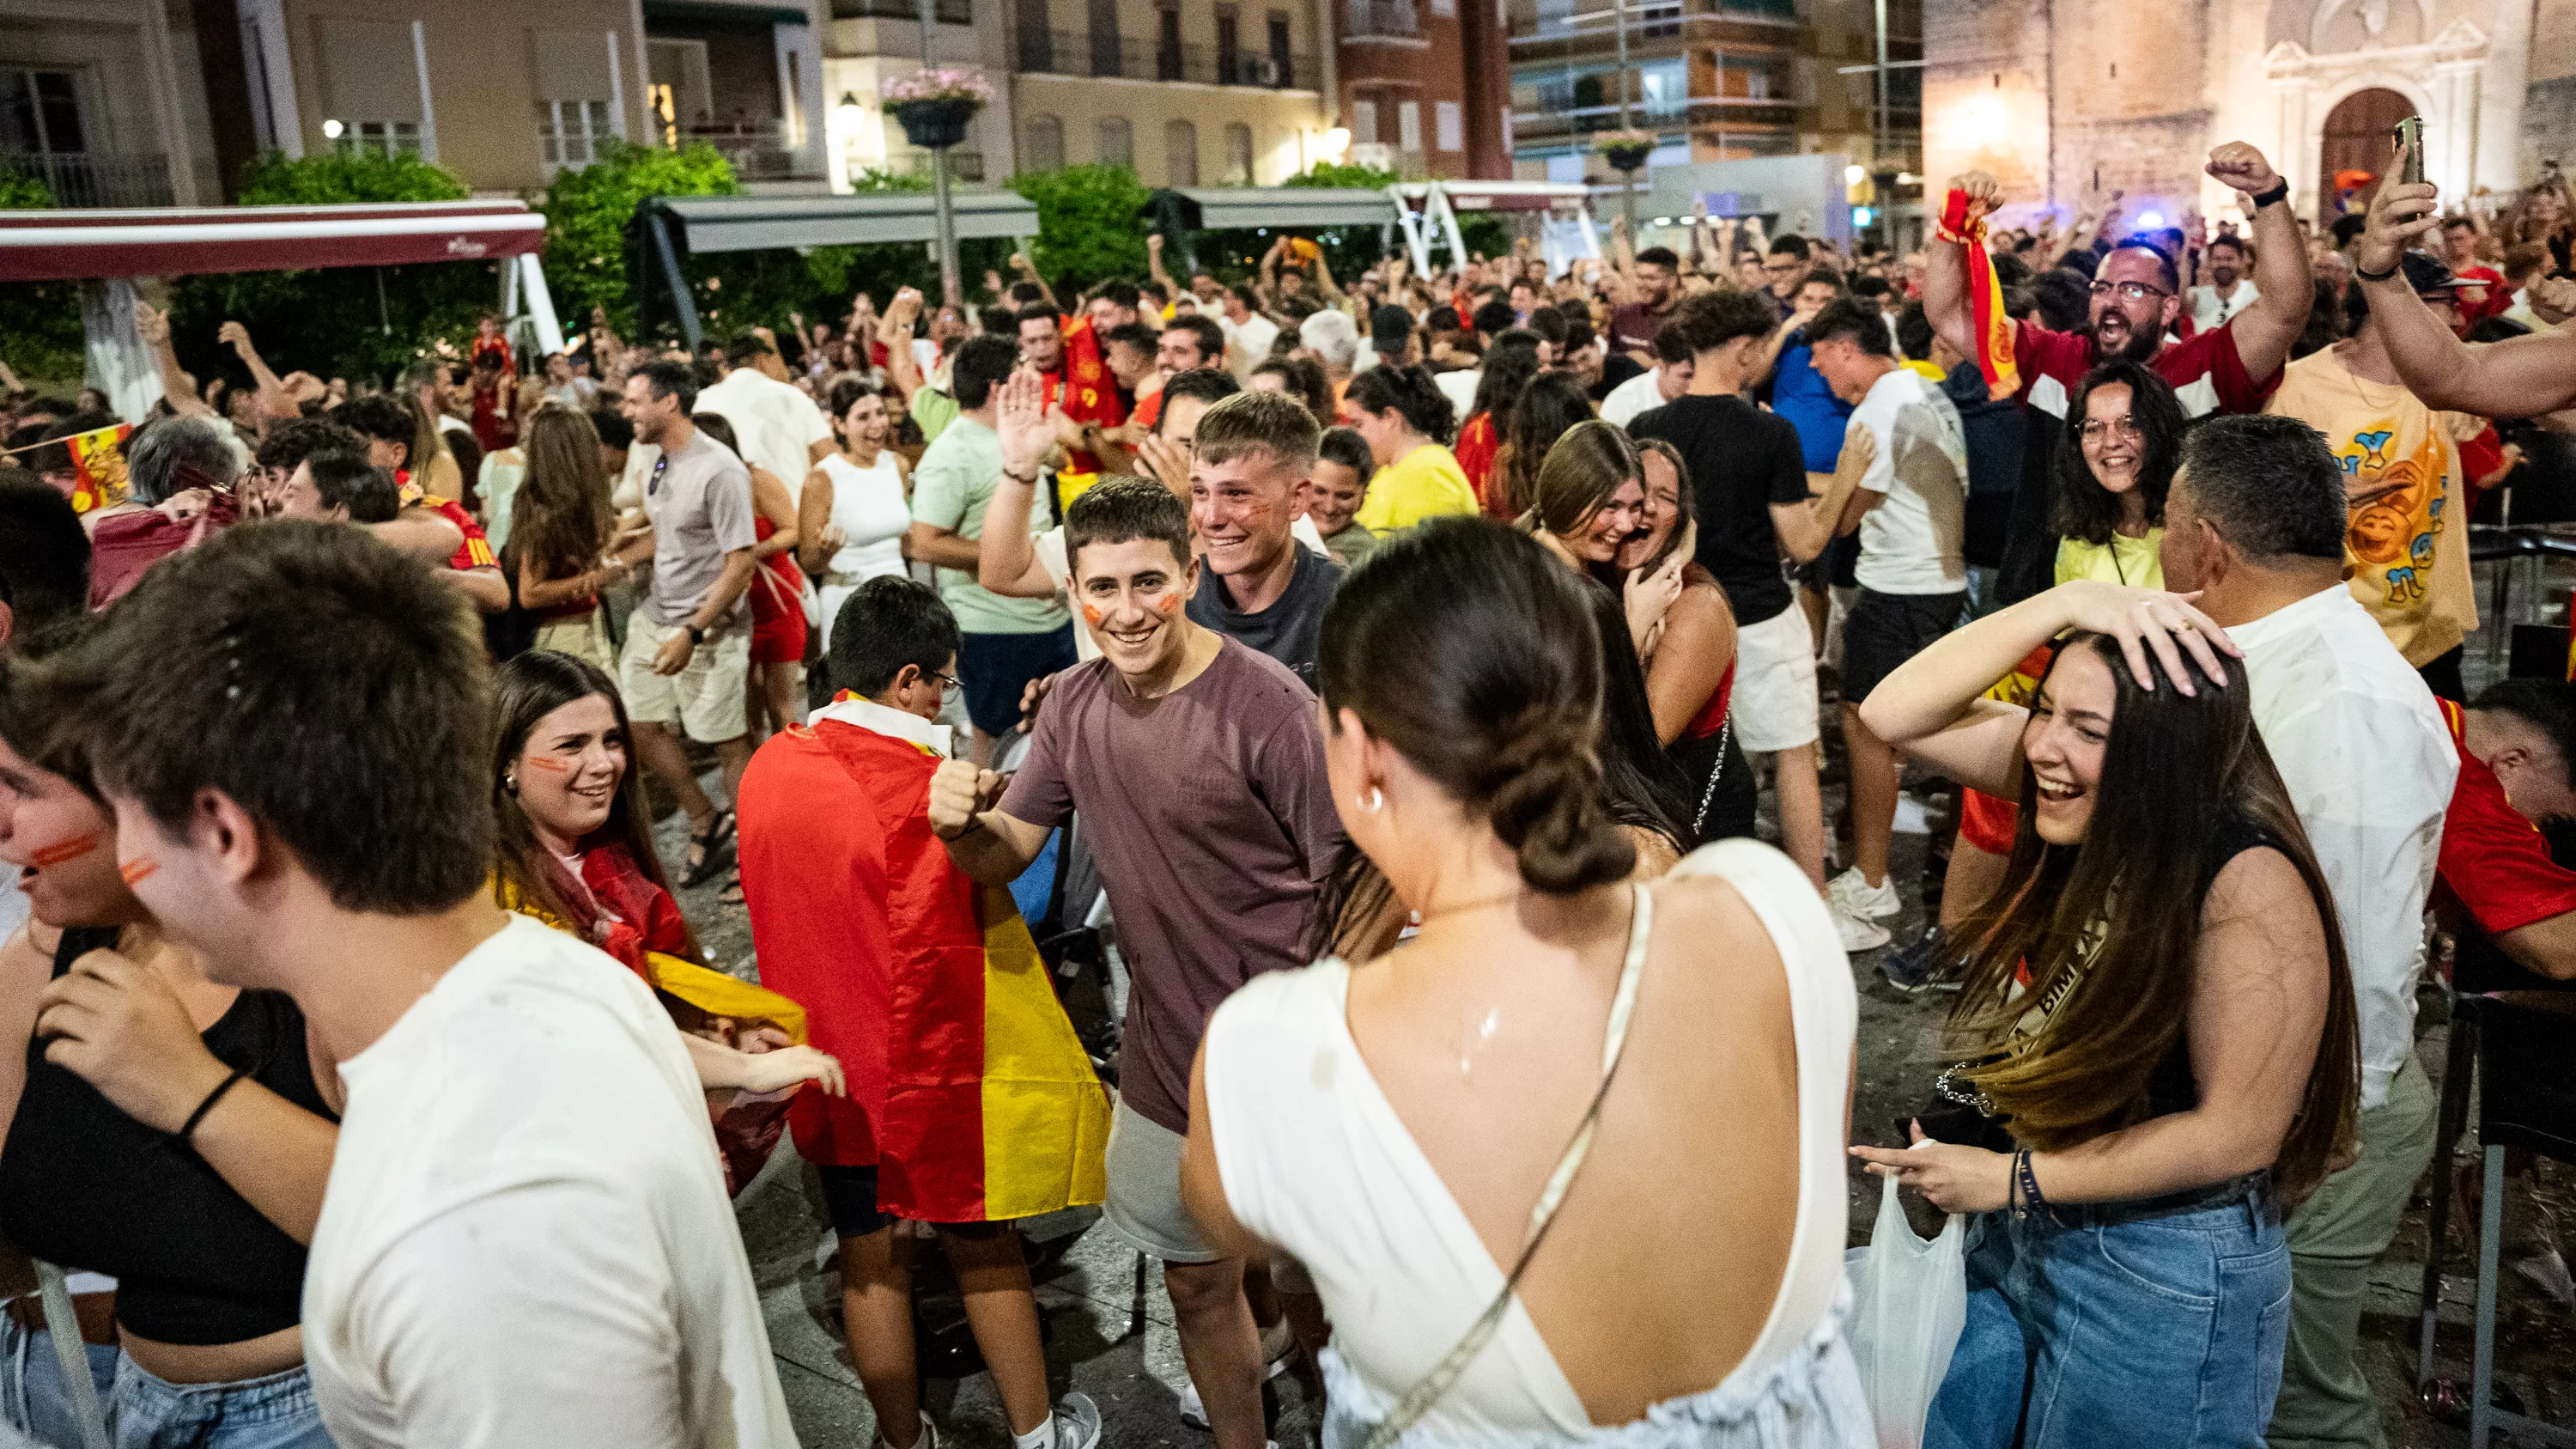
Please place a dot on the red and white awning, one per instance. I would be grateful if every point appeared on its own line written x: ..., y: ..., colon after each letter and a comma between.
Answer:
x: 43, y: 246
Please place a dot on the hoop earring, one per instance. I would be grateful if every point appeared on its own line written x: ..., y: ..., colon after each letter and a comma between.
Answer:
x: 1373, y: 802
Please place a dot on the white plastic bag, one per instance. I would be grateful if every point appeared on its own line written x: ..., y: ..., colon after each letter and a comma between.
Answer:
x: 1909, y: 1301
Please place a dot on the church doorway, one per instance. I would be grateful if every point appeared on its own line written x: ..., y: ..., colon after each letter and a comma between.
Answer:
x: 2356, y: 149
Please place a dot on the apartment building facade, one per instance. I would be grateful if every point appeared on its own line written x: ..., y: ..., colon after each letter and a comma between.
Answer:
x: 1425, y: 85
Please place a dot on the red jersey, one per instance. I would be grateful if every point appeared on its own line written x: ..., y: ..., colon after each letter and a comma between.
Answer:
x: 476, y: 551
x: 2493, y: 861
x: 2207, y: 375
x: 2482, y: 294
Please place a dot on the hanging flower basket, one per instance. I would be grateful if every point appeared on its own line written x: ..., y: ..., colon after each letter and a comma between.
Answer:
x: 1626, y: 150
x: 936, y: 105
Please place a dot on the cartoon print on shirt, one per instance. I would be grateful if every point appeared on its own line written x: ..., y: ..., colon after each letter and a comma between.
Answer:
x: 2393, y: 536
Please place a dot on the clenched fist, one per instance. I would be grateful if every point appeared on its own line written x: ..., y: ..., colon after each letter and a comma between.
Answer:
x: 1985, y: 195
x: 2242, y: 167
x: 960, y: 791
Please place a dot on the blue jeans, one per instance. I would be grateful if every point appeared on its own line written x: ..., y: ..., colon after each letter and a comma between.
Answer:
x: 32, y: 1397
x: 144, y: 1412
x: 2164, y: 1331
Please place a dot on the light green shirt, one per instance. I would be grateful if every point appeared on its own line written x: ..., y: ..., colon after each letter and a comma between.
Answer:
x: 933, y: 410
x: 949, y: 490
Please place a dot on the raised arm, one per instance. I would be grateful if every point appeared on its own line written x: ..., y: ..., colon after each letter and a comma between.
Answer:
x: 1008, y: 561
x: 2283, y: 293
x: 988, y: 845
x: 273, y: 398
x: 1028, y: 271
x: 155, y: 329
x: 2518, y: 378
x: 1945, y: 268
x: 1805, y: 528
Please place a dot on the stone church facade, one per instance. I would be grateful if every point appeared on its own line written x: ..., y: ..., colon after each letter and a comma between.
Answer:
x: 2066, y: 100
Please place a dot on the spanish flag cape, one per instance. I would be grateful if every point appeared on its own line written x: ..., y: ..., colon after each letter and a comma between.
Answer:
x: 1963, y: 224
x: 98, y: 465
x: 1083, y: 386
x: 968, y: 1089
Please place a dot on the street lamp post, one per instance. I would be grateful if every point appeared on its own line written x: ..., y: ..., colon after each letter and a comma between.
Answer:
x: 1627, y: 177
x: 949, y: 292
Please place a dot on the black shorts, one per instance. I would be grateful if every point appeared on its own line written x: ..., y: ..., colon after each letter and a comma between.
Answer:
x: 1882, y: 631
x: 850, y: 1200
x: 997, y: 669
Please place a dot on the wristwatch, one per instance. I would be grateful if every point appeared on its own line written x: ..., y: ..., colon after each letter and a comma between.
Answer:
x: 697, y: 635
x: 2280, y: 192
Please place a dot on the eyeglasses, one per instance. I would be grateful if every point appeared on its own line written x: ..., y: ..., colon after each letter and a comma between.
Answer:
x: 2095, y: 432
x: 952, y: 681
x: 2129, y: 291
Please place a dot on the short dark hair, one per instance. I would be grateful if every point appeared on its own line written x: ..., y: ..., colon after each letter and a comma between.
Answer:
x: 381, y: 417
x: 1495, y: 318
x: 345, y: 479
x: 1211, y: 337
x: 886, y: 623
x: 2547, y: 705
x: 672, y: 379
x: 1864, y: 286
x: 746, y: 347
x: 1122, y: 509
x: 1249, y: 298
x: 1789, y: 244
x: 1852, y: 318
x: 1711, y: 320
x: 1260, y: 422
x: 1133, y: 334
x: 44, y: 556
x: 998, y: 321
x: 1117, y: 293
x: 982, y: 363
x: 1826, y: 276
x: 1660, y: 257
x: 2165, y: 267
x: 1346, y: 447
x: 2063, y: 297
x: 1405, y: 390
x: 613, y: 428
x: 1207, y: 384
x: 331, y: 686
x: 1672, y: 346
x: 1026, y: 293
x: 293, y: 440
x: 2231, y: 239
x: 1914, y: 332
x: 2270, y: 485
x: 1549, y: 324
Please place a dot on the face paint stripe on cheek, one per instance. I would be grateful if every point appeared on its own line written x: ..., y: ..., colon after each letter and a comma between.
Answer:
x: 1091, y: 615
x: 549, y: 762
x: 136, y: 869
x: 63, y: 850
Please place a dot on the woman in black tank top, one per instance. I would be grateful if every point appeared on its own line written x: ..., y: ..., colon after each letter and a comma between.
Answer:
x: 161, y: 1129
x: 2156, y: 1032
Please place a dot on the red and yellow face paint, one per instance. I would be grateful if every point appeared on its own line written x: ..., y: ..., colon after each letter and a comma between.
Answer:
x: 134, y: 871
x: 61, y: 851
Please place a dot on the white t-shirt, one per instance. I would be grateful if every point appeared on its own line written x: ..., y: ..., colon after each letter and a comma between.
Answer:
x: 525, y: 1239
x: 776, y: 423
x: 1459, y: 386
x: 1910, y: 543
x: 1247, y: 343
x: 2369, y: 765
x: 1639, y: 394
x: 2208, y: 309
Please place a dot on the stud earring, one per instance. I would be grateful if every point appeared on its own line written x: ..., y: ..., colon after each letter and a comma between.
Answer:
x: 1373, y: 802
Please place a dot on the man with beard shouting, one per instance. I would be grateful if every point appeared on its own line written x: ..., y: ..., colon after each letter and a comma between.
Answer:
x: 2138, y: 296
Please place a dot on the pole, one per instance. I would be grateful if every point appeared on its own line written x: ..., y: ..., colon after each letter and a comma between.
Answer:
x: 949, y: 293
x: 1628, y: 179
x: 1881, y: 194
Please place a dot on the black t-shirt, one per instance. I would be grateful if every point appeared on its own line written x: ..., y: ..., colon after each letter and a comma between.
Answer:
x: 1292, y: 627
x: 1742, y: 460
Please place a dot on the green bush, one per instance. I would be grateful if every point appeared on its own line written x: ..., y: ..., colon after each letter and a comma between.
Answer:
x: 43, y: 341
x: 1087, y: 224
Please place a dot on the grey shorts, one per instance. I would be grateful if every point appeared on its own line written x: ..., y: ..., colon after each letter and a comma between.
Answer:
x: 1145, y: 1190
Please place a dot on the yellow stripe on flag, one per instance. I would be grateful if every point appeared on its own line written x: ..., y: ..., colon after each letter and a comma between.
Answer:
x: 1046, y: 1118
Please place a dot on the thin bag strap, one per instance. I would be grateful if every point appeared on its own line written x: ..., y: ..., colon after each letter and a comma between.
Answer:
x: 1409, y: 1410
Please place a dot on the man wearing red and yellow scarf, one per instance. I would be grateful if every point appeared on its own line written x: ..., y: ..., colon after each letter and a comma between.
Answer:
x: 1065, y: 353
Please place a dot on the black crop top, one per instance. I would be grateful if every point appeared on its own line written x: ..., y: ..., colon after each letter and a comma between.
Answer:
x: 84, y: 1185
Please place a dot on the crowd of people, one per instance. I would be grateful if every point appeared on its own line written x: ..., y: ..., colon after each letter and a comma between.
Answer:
x: 1392, y: 673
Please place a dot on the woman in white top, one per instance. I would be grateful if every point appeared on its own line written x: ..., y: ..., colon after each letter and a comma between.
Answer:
x: 1409, y: 1129
x: 856, y: 506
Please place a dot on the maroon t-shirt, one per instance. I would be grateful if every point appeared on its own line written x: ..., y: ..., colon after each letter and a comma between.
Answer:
x: 1213, y: 824
x: 2207, y: 375
x: 1633, y: 327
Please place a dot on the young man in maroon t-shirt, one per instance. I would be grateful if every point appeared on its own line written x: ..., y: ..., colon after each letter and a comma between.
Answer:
x: 2137, y: 300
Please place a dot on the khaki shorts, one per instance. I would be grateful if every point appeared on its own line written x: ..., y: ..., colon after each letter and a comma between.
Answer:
x: 1145, y: 1190
x: 705, y: 700
x: 1774, y: 704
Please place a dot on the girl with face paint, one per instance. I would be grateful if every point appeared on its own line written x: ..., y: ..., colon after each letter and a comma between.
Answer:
x: 166, y: 1131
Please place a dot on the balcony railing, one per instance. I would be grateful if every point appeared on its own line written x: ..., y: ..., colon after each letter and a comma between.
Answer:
x: 96, y: 178
x: 1073, y: 52
x: 1382, y: 20
x: 759, y: 150
x: 950, y: 12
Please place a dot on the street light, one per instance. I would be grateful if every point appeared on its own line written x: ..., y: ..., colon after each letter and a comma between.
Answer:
x: 949, y: 291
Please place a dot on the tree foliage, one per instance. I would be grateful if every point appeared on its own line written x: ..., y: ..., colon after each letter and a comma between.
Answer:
x: 1087, y: 223
x: 41, y: 338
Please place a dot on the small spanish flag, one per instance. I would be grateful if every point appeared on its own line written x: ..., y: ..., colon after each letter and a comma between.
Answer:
x: 1084, y: 388
x: 969, y: 1091
x: 1962, y: 223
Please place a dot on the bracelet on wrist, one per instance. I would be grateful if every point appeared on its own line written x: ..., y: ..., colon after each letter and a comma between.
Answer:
x: 187, y: 1132
x: 2370, y: 276
x: 2280, y: 192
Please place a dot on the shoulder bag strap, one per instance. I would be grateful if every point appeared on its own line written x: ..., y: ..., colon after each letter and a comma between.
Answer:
x: 1418, y: 1401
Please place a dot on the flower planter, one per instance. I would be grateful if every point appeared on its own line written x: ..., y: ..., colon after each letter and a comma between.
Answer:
x: 935, y: 125
x: 1627, y: 155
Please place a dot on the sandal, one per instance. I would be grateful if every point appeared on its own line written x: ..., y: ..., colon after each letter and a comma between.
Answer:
x: 731, y: 895
x: 708, y: 846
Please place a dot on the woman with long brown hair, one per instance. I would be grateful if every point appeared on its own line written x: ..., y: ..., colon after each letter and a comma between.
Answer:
x: 562, y: 532
x: 2156, y: 1044
x: 1690, y: 653
x: 1544, y: 411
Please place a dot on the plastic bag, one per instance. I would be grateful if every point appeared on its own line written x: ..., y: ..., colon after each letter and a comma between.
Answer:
x: 1909, y: 1301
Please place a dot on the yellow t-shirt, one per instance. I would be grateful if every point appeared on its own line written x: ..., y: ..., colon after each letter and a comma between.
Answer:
x: 2406, y: 552
x: 2136, y: 562
x: 1425, y: 483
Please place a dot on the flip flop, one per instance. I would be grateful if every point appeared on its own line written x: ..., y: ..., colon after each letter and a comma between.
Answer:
x: 710, y: 847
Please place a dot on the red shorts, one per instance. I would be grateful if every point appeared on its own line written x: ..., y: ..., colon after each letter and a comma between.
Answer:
x: 1987, y: 822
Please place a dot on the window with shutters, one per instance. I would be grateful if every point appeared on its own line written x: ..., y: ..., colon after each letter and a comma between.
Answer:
x: 1116, y: 142
x: 1238, y: 154
x: 1451, y: 124
x: 1043, y: 148
x: 1408, y: 126
x: 1181, y: 153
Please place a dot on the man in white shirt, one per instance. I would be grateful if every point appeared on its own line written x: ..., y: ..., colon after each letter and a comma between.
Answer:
x: 2229, y: 293
x: 778, y: 426
x: 1248, y: 334
x: 525, y: 1238
x: 1649, y: 390
x: 2256, y: 521
x: 1911, y: 510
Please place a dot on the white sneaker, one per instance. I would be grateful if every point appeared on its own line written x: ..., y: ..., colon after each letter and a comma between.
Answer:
x: 1858, y: 935
x: 1853, y: 895
x: 929, y: 1436
x: 1193, y: 1408
x: 1076, y: 1423
x: 1277, y: 1342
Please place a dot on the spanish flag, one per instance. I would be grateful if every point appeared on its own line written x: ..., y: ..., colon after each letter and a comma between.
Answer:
x: 1963, y: 224
x: 969, y: 1091
x: 1083, y: 387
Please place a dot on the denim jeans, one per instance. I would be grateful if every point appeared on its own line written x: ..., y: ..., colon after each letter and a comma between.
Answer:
x: 144, y: 1412
x: 32, y: 1397
x: 2164, y: 1331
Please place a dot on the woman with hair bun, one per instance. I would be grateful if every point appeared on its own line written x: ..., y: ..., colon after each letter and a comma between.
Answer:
x: 1407, y: 421
x: 1477, y: 1142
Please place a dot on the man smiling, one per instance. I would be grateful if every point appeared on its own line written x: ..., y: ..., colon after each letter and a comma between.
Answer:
x: 1252, y: 454
x: 1197, y: 764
